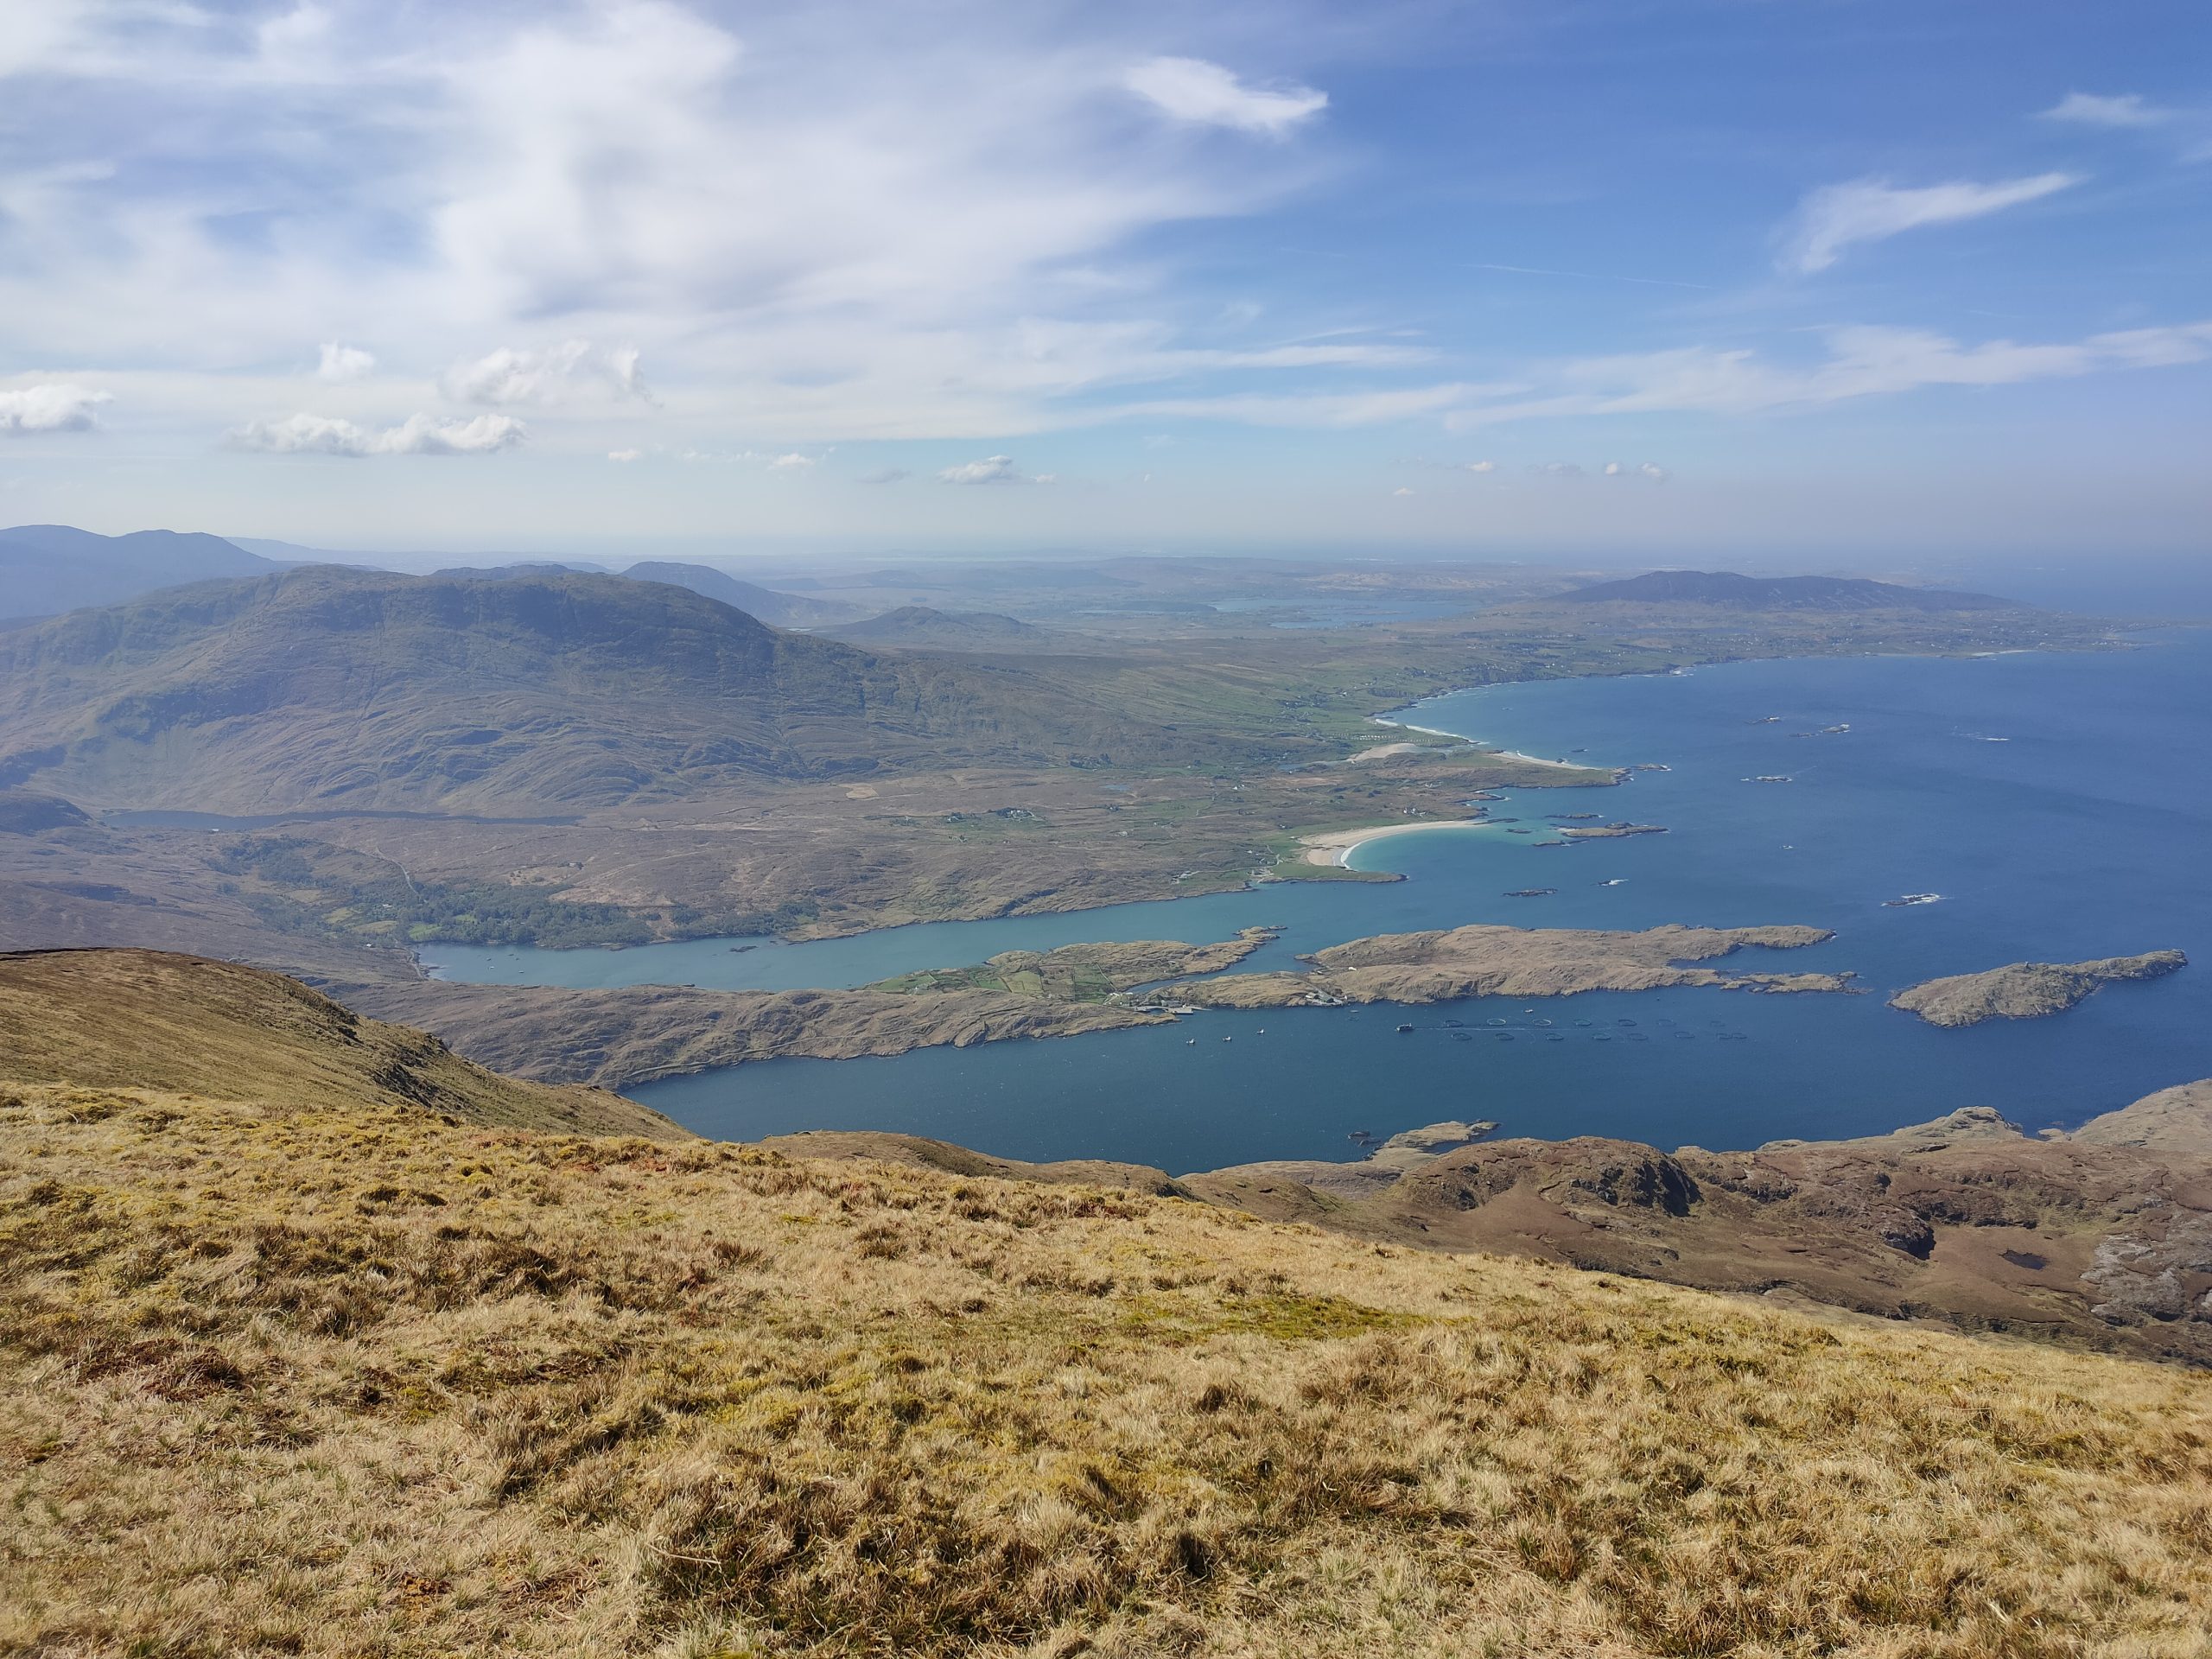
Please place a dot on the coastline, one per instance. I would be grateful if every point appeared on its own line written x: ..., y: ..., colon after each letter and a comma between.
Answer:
x: 1336, y: 846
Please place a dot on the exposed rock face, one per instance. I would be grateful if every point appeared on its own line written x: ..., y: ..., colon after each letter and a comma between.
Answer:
x: 1493, y: 961
x: 2026, y: 990
x: 2177, y: 1120
x: 2101, y: 1239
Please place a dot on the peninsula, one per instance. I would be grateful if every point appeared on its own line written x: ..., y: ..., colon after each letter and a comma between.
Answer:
x: 1489, y: 960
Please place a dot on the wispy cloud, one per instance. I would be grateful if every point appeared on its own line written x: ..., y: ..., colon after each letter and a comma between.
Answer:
x: 1591, y: 276
x: 2121, y: 110
x: 1839, y: 216
x: 1192, y: 89
x: 1318, y: 410
x: 1859, y: 362
x: 53, y: 406
x: 419, y: 434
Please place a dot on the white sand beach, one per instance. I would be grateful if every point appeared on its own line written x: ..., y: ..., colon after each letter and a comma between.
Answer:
x: 1335, y: 846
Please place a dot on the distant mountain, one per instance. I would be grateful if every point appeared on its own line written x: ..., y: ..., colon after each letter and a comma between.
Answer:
x: 520, y: 567
x: 1733, y: 592
x: 921, y: 625
x: 776, y: 609
x: 48, y: 569
x: 330, y: 688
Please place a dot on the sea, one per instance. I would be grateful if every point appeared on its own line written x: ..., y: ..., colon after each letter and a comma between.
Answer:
x: 2056, y: 806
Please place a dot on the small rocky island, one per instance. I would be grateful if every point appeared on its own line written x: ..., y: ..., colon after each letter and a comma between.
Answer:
x: 2026, y: 990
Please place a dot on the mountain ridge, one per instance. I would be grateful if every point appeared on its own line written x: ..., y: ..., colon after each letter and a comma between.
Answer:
x: 47, y: 569
x: 1729, y: 589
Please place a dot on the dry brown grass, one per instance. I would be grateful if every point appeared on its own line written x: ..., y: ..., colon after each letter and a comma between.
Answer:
x: 351, y: 1383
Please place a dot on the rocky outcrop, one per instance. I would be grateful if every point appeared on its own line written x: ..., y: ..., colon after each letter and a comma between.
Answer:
x: 2099, y: 1239
x: 2026, y: 990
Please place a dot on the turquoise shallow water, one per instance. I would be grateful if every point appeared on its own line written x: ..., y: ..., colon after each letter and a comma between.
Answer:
x: 2085, y: 831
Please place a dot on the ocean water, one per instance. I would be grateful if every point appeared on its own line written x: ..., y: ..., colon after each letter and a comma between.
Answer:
x: 2060, y: 804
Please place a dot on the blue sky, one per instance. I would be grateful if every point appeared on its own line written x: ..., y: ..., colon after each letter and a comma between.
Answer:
x: 1843, y: 280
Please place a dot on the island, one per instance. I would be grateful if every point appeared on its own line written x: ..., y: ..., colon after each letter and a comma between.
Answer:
x: 1613, y: 831
x: 2026, y: 990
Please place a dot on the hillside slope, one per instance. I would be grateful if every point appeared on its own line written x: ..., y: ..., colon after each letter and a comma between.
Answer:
x: 48, y: 569
x: 327, y: 688
x: 349, y: 1378
x: 152, y: 1020
x: 919, y: 626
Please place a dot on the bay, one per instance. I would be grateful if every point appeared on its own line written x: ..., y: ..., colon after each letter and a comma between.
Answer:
x: 2061, y: 804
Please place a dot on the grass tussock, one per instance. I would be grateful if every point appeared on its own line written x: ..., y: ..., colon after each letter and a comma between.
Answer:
x: 349, y: 1383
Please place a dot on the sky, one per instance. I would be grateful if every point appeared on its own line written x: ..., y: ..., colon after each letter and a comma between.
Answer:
x: 1855, y: 280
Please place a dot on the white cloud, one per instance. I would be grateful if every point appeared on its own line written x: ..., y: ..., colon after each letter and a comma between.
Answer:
x: 1482, y: 465
x: 1401, y: 490
x: 625, y: 456
x: 1192, y: 89
x: 558, y: 374
x: 1612, y: 469
x: 1653, y: 470
x: 1839, y: 216
x: 996, y: 469
x: 418, y: 435
x: 341, y: 363
x: 54, y: 406
x: 791, y: 463
x: 2123, y: 110
x: 886, y: 475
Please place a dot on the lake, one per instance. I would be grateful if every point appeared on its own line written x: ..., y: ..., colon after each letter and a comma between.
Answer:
x: 2061, y: 804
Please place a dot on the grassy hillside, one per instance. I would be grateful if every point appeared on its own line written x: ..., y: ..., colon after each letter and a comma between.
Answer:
x: 331, y: 688
x: 345, y: 1377
x: 149, y: 1019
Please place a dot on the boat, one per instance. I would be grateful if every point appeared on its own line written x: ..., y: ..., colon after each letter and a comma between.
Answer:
x: 1405, y: 1027
x: 1906, y: 900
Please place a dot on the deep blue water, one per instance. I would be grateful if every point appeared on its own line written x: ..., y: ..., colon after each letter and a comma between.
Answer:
x: 2085, y: 832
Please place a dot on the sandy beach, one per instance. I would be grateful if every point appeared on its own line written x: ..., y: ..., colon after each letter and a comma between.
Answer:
x: 1335, y: 846
x: 1504, y: 754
